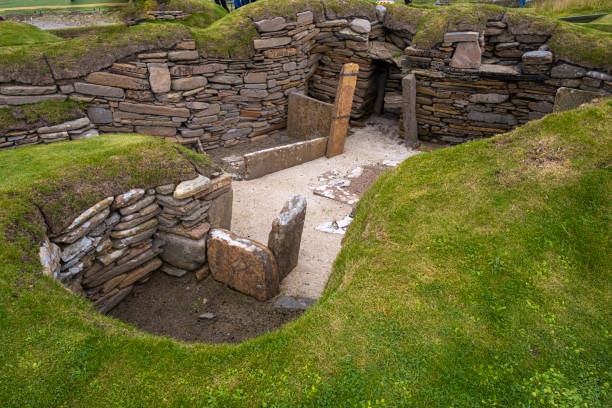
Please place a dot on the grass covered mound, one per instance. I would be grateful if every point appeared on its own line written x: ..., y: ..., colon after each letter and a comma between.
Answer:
x: 473, y: 275
x: 13, y: 33
x: 32, y: 116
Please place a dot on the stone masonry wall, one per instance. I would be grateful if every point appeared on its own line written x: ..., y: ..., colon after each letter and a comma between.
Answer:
x: 473, y: 84
x: 122, y: 239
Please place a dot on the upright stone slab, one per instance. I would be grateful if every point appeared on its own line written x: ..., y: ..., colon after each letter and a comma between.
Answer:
x: 568, y: 98
x: 159, y: 78
x: 467, y: 56
x: 286, y: 235
x: 242, y: 264
x: 342, y: 109
x: 409, y: 119
x: 308, y: 118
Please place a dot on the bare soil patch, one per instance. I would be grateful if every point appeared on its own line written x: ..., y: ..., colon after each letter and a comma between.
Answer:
x: 170, y: 306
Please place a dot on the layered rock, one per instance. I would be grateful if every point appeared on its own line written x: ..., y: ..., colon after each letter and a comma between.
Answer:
x: 286, y: 235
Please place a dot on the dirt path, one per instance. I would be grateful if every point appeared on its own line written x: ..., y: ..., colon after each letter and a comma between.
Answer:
x: 257, y: 202
x: 65, y: 6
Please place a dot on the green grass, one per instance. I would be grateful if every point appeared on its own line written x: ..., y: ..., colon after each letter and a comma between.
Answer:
x: 39, y: 114
x: 477, y: 275
x: 13, y: 33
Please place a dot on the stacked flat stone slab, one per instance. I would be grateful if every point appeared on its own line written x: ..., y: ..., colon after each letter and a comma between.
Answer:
x: 122, y: 239
x: 286, y: 235
x: 211, y: 101
x: 72, y: 130
x: 168, y: 15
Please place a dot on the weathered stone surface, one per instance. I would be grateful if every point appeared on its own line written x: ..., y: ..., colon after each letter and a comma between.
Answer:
x: 286, y: 235
x: 359, y: 25
x: 99, y: 90
x: 66, y: 126
x: 308, y: 118
x: 196, y: 233
x: 226, y: 79
x: 71, y: 236
x: 129, y: 198
x: 141, y: 272
x: 567, y: 71
x: 461, y: 36
x: 348, y: 34
x: 145, y: 226
x: 99, y: 115
x: 173, y: 271
x: 261, y: 44
x: 489, y: 117
x: 159, y: 77
x: 278, y: 158
x: 242, y: 264
x: 182, y: 252
x: 49, y: 255
x: 23, y: 100
x: 113, y: 299
x: 137, y: 206
x: 467, y: 56
x: 568, y: 98
x: 184, y: 70
x: 599, y: 75
x: 154, y: 109
x: 190, y: 188
x: 90, y: 212
x: 220, y: 211
x: 498, y: 70
x: 19, y: 90
x: 186, y: 84
x: 115, y: 80
x: 270, y: 25
x: 256, y: 78
x: 488, y: 98
x: 183, y: 55
x: 537, y: 57
x: 305, y: 17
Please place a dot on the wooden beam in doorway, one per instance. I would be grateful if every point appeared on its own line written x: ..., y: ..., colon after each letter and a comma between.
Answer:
x: 342, y: 109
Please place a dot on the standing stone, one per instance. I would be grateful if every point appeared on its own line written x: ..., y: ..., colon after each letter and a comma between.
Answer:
x: 242, y: 264
x: 381, y: 12
x: 49, y: 255
x: 409, y: 119
x: 159, y: 78
x: 286, y: 235
x: 467, y: 56
x: 568, y: 98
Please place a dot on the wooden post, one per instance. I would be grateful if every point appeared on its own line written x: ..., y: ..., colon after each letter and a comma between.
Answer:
x: 342, y: 109
x: 409, y: 110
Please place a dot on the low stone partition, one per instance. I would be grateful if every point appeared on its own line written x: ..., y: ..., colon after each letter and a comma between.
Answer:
x: 121, y: 240
x: 167, y: 15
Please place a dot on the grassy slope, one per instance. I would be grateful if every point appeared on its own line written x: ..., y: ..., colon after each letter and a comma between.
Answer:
x: 35, y: 115
x: 474, y: 275
x: 12, y: 33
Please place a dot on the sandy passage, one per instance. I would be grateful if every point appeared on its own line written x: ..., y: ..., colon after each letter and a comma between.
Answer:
x: 257, y: 202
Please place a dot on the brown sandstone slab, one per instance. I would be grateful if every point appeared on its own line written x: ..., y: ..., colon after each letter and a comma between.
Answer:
x: 308, y: 118
x: 242, y: 264
x: 159, y: 77
x: 154, y: 109
x: 119, y: 81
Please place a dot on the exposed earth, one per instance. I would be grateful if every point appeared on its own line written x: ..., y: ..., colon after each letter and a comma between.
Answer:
x: 54, y: 21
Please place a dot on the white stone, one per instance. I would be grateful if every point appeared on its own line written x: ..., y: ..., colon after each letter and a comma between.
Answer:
x: 359, y: 25
x: 190, y: 188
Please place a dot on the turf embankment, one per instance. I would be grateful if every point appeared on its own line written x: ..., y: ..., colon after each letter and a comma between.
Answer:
x: 477, y: 275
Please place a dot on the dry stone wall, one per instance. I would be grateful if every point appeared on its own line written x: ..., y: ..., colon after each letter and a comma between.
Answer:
x: 121, y: 240
x: 470, y: 84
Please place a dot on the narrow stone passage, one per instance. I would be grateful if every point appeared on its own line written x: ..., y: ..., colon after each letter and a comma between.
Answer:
x: 257, y: 202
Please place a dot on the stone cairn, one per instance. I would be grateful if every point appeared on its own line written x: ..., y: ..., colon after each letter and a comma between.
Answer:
x: 121, y: 240
x: 471, y: 84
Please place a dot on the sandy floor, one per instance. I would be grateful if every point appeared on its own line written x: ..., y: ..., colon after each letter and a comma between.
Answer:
x: 257, y: 202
